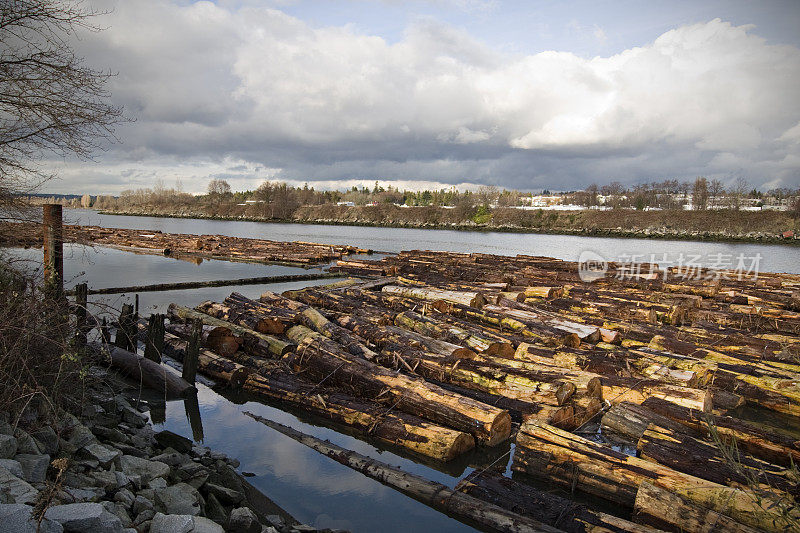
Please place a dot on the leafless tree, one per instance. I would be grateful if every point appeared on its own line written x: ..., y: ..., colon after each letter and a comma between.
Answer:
x: 700, y: 194
x: 218, y: 187
x: 50, y: 101
x: 715, y: 190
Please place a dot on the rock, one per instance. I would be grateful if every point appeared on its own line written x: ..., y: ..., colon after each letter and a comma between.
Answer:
x: 80, y: 436
x: 125, y: 497
x: 47, y: 440
x: 243, y: 520
x: 16, y: 517
x: 133, y: 417
x: 105, y: 479
x: 275, y: 520
x: 172, y: 459
x: 223, y: 493
x: 12, y: 466
x: 123, y: 480
x: 25, y: 443
x: 171, y: 523
x: 34, y: 467
x: 168, y: 439
x: 5, y: 427
x: 134, y: 451
x: 214, y: 510
x: 137, y: 466
x: 14, y: 489
x: 8, y: 446
x: 109, y: 434
x: 102, y: 454
x: 205, y: 525
x: 178, y: 499
x: 140, y: 503
x: 85, y: 517
x: 118, y: 510
x: 74, y: 495
x: 158, y: 483
x: 144, y: 516
x: 228, y: 478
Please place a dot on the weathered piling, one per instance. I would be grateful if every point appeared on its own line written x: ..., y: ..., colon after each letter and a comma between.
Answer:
x: 53, y: 240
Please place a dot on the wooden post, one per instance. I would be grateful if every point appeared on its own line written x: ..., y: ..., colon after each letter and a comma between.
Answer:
x: 154, y: 346
x: 136, y: 308
x: 81, y: 301
x: 53, y: 250
x: 192, y: 352
x: 124, y: 339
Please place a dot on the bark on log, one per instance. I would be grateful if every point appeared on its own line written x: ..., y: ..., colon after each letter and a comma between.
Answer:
x: 372, y: 419
x: 545, y: 507
x: 770, y: 446
x: 658, y: 507
x: 706, y: 460
x: 551, y: 454
x: 629, y: 421
x: 258, y: 343
x: 149, y: 373
x: 327, y: 361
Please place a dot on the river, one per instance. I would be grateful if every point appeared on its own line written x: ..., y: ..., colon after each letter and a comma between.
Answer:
x: 315, y: 489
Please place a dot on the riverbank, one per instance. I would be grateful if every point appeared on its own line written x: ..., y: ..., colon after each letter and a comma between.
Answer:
x: 767, y: 227
x: 109, y: 471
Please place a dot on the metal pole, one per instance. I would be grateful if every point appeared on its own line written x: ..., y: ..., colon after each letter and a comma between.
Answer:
x: 53, y: 249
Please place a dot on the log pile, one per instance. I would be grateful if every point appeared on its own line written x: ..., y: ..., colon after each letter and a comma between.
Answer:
x: 446, y: 350
x: 183, y: 245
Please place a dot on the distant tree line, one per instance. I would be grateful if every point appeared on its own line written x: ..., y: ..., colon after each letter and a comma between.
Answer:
x: 279, y: 201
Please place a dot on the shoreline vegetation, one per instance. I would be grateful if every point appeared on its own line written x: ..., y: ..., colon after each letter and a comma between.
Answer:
x: 765, y: 227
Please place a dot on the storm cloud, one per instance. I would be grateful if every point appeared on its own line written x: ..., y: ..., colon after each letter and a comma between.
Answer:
x: 250, y: 93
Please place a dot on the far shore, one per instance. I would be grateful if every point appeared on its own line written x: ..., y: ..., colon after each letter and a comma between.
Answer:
x: 656, y: 233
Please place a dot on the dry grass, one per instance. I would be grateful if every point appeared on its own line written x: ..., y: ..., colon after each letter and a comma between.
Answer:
x: 39, y: 364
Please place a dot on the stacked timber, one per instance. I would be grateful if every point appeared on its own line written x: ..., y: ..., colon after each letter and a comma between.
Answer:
x: 183, y: 245
x: 454, y: 347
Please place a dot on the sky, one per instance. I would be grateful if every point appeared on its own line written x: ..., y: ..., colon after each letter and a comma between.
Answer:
x: 527, y: 95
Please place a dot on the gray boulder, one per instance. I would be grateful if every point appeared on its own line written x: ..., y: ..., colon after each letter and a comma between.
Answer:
x: 34, y: 467
x: 25, y: 443
x: 14, y: 489
x: 85, y: 517
x: 136, y: 466
x: 47, y: 440
x: 178, y: 499
x: 8, y: 446
x: 171, y: 523
x: 244, y: 520
x: 102, y: 454
x: 168, y: 439
x: 12, y: 466
x: 16, y: 517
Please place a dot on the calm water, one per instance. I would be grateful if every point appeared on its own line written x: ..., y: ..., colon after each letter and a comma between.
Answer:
x: 314, y: 489
x: 773, y: 258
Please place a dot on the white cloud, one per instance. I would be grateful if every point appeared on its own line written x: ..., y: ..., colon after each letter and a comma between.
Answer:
x: 208, y: 83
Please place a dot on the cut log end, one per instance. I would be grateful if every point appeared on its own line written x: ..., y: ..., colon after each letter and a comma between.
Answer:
x: 500, y: 429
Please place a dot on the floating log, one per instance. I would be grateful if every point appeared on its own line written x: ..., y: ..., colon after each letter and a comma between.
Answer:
x: 658, y: 507
x: 630, y: 421
x: 436, y: 495
x: 472, y: 299
x: 548, y: 508
x: 221, y: 369
x: 149, y: 373
x: 713, y: 462
x: 327, y: 361
x: 185, y: 285
x: 770, y: 446
x: 372, y: 419
x: 555, y: 455
x: 258, y: 343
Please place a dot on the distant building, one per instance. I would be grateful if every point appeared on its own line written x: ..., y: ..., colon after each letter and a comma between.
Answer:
x: 346, y: 204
